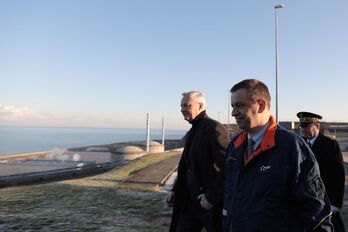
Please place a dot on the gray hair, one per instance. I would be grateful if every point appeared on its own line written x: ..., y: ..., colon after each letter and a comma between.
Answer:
x: 197, y: 96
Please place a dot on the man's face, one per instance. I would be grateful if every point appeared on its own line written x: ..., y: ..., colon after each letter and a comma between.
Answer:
x: 310, y: 130
x: 244, y: 110
x: 190, y: 108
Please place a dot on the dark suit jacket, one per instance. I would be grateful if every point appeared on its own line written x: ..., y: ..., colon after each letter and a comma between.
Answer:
x: 328, y: 154
x: 208, y: 153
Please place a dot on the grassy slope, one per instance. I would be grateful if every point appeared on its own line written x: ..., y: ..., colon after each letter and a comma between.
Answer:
x: 89, y: 204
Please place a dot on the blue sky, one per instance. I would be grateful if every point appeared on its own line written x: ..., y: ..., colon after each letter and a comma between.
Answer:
x: 108, y: 63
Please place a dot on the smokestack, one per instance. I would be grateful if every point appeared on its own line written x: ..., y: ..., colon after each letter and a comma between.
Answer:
x: 148, y: 133
x: 163, y: 128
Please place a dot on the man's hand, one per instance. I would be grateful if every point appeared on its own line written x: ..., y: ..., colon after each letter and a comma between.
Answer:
x: 334, y: 209
x: 170, y: 199
x: 204, y: 202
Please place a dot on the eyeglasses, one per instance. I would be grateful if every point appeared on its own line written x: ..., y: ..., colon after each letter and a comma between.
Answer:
x: 305, y: 124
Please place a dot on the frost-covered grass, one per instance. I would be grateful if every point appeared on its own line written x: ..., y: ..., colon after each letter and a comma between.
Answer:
x: 62, y: 207
x: 95, y: 203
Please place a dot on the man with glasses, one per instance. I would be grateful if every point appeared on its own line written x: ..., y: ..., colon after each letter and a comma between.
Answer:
x: 329, y: 156
x: 198, y: 191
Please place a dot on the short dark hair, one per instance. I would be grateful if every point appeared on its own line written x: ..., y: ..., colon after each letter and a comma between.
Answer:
x: 256, y: 89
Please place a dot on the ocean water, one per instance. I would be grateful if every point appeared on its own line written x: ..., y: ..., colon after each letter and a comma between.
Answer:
x: 18, y: 139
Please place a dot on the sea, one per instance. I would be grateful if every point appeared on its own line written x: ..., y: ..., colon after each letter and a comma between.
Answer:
x: 22, y: 139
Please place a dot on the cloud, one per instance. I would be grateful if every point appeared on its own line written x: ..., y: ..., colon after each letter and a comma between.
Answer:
x: 10, y: 112
x: 24, y: 116
x: 14, y: 115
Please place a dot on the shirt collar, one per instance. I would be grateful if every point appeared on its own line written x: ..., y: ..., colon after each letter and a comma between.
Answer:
x: 198, y: 118
x: 259, y: 135
x: 313, y: 140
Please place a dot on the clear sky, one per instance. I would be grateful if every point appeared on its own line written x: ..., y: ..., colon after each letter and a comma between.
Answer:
x: 107, y: 63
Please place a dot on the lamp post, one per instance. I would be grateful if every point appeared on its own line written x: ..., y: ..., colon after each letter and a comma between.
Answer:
x: 228, y: 114
x: 279, y: 6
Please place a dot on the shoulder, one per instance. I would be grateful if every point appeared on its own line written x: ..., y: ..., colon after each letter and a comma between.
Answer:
x: 215, y: 129
x: 327, y: 143
x: 323, y: 139
x: 212, y: 123
x: 292, y: 144
x: 295, y: 147
x: 284, y: 134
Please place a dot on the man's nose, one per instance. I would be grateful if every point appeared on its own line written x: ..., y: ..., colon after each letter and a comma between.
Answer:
x: 234, y: 112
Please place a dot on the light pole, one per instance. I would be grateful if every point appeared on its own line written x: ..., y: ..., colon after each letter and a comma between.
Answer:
x: 228, y: 114
x: 279, y: 6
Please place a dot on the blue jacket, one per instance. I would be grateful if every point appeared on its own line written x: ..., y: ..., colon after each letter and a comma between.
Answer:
x: 278, y: 188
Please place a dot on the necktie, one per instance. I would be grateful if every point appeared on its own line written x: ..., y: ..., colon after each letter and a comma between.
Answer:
x: 251, y: 144
x: 309, y: 143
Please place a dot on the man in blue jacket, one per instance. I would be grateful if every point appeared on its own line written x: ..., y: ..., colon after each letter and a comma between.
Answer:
x: 272, y: 178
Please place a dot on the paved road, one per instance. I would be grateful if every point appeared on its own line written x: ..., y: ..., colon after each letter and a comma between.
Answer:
x: 151, y: 177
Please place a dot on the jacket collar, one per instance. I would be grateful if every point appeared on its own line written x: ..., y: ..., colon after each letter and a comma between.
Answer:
x: 198, y: 118
x: 267, y: 142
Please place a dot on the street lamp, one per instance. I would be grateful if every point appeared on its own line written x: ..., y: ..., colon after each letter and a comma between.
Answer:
x: 228, y: 114
x: 279, y: 6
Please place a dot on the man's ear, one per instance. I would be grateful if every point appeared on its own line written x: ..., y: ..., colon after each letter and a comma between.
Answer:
x: 200, y: 106
x: 262, y: 104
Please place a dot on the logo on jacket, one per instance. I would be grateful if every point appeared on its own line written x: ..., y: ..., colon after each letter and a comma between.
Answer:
x: 264, y: 168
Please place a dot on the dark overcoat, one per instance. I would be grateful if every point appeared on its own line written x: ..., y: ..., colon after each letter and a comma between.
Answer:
x: 329, y: 156
x: 208, y: 152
